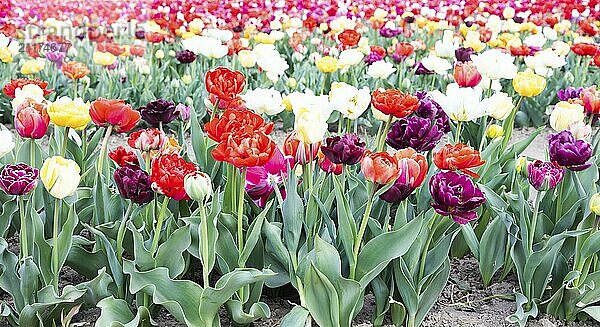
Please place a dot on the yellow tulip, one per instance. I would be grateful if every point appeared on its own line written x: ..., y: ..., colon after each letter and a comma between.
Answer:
x: 595, y: 204
x: 327, y: 64
x: 494, y: 131
x: 32, y: 66
x: 60, y: 176
x: 70, y: 113
x: 521, y: 165
x: 186, y: 79
x: 528, y: 83
x: 472, y: 41
x: 5, y: 55
x: 565, y: 114
x: 103, y: 58
x: 247, y: 58
x: 159, y: 54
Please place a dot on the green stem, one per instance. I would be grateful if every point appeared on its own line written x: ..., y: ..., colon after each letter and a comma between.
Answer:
x: 432, y: 228
x: 458, y: 130
x: 240, y: 214
x: 509, y: 123
x: 361, y: 231
x: 159, y: 222
x: 121, y: 232
x: 32, y: 152
x: 536, y: 209
x: 204, y: 235
x: 63, y: 150
x: 23, y: 234
x: 103, y: 148
x: 55, y: 260
x: 381, y: 143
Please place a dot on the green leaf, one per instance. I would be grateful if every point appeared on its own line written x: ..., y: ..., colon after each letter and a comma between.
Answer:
x: 116, y: 313
x: 292, y: 211
x: 347, y: 225
x: 492, y: 249
x: 170, y: 253
x: 471, y: 239
x: 321, y: 298
x: 295, y: 318
x: 379, y: 251
x: 257, y: 311
x: 253, y: 235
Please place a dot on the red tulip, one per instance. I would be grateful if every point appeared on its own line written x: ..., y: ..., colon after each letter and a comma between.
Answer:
x: 466, y: 74
x: 147, y: 139
x: 299, y: 151
x: 114, y: 113
x: 168, y: 173
x: 349, y: 38
x: 591, y: 100
x: 458, y: 157
x: 584, y: 49
x: 31, y: 119
x: 236, y: 120
x: 245, y: 149
x: 9, y: 89
x: 123, y: 157
x: 394, y: 102
x: 224, y: 83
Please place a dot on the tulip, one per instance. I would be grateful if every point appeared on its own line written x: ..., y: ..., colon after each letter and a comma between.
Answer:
x: 569, y: 93
x: 565, y: 114
x: 134, y: 184
x: 60, y: 176
x: 15, y: 84
x: 349, y: 38
x: 185, y: 56
x: 584, y: 49
x: 349, y: 100
x: 198, y: 186
x: 264, y: 101
x: 245, y: 149
x: 568, y: 152
x: 394, y: 102
x: 70, y: 113
x: 528, y: 83
x: 74, y: 70
x: 347, y: 149
x: 494, y: 131
x: 19, y: 179
x: 298, y: 150
x: 591, y: 100
x: 421, y: 134
x: 458, y: 157
x: 327, y: 166
x: 379, y: 168
x: 595, y: 204
x: 246, y: 58
x: 232, y: 120
x: 463, y: 54
x: 30, y: 92
x: 183, y: 112
x: 224, y: 83
x: 123, y: 157
x: 466, y: 74
x: 32, y: 66
x: 261, y: 181
x: 147, y: 139
x: 114, y: 113
x: 103, y: 58
x: 380, y: 69
x: 327, y: 64
x: 168, y: 174
x: 544, y: 176
x: 7, y: 144
x: 412, y: 168
x: 495, y: 64
x: 499, y: 106
x: 31, y: 119
x: 461, y: 103
x: 456, y: 196
x: 159, y: 111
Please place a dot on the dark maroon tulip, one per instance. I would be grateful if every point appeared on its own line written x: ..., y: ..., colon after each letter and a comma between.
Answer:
x: 157, y: 111
x: 569, y: 152
x: 19, y: 179
x: 185, y: 56
x: 463, y: 54
x: 544, y: 176
x: 134, y: 184
x: 421, y: 134
x: 347, y: 149
x: 420, y: 69
x: 455, y: 195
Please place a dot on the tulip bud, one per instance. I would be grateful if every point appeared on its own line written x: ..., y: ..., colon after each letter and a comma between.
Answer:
x: 595, y: 204
x: 291, y: 82
x: 466, y: 74
x: 494, y: 131
x: 198, y: 186
x: 186, y: 79
x: 159, y: 54
x: 521, y: 164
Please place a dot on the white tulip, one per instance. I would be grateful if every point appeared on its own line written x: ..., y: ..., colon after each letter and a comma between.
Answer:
x: 495, y: 64
x: 264, y: 101
x: 461, y: 103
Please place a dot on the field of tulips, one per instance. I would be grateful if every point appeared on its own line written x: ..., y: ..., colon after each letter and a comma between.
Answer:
x: 299, y: 163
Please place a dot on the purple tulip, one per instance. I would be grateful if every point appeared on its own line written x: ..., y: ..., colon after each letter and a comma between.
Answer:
x: 347, y: 149
x: 463, y: 54
x: 569, y: 93
x: 544, y: 176
x: 56, y: 57
x: 134, y: 184
x: 19, y: 179
x: 140, y: 34
x: 262, y: 180
x: 157, y: 111
x: 389, y: 32
x: 372, y: 57
x: 569, y: 152
x: 428, y: 108
x: 421, y: 134
x: 421, y: 70
x: 185, y: 56
x: 455, y: 195
x: 184, y: 112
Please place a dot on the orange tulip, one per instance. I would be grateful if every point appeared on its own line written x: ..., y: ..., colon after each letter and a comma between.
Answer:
x: 394, y: 102
x: 75, y: 70
x: 245, y: 149
x: 458, y: 157
x: 380, y: 167
x: 114, y: 113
